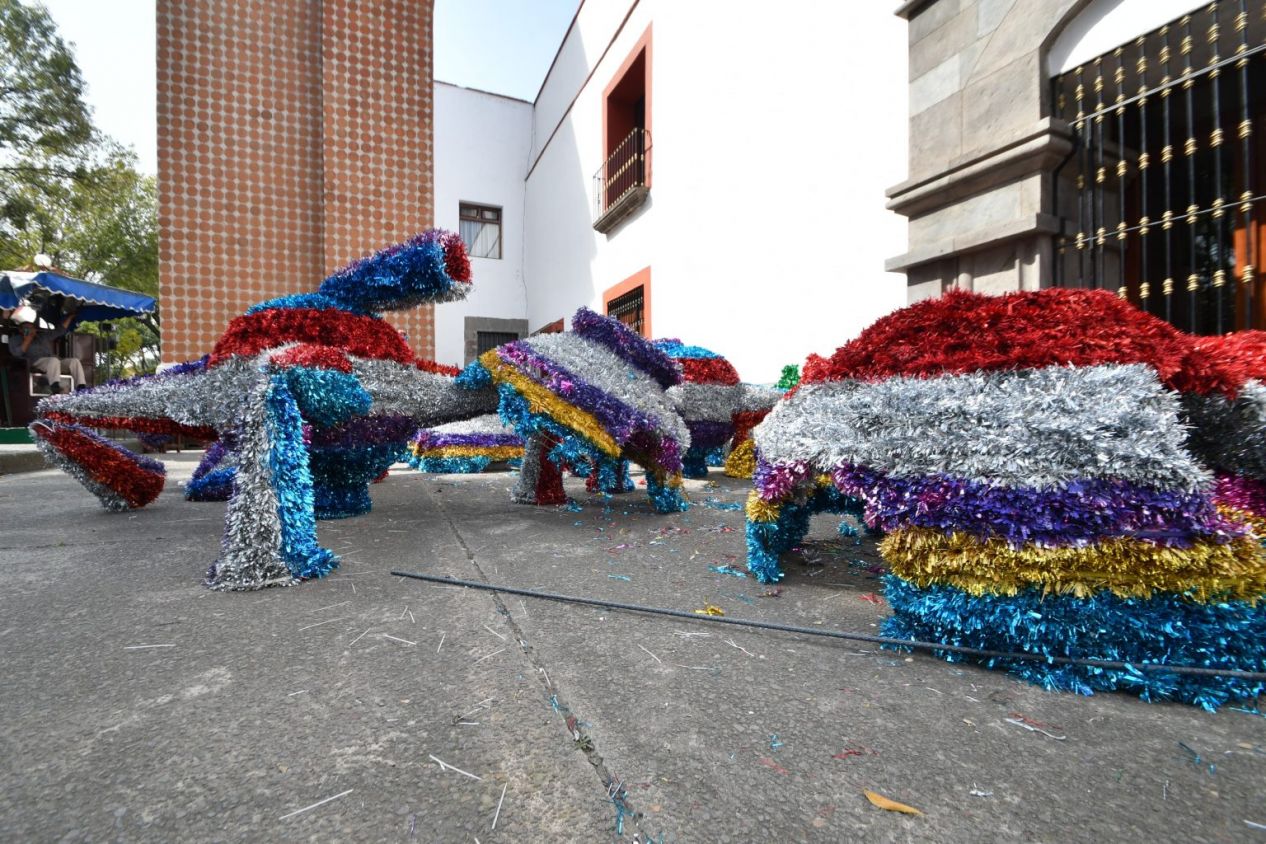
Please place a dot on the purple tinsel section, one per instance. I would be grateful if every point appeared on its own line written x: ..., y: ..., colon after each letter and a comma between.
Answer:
x: 620, y: 420
x: 776, y: 481
x: 428, y: 439
x: 1241, y: 493
x: 706, y: 434
x: 171, y: 372
x: 1072, y: 514
x: 628, y: 346
x: 365, y: 430
x: 214, y: 454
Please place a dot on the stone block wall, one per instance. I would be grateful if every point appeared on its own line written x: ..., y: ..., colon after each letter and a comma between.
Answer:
x: 982, y: 145
x: 293, y: 137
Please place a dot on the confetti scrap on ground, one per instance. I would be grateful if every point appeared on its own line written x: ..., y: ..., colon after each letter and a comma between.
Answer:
x: 775, y: 743
x: 727, y: 570
x: 619, y: 577
x: 889, y: 805
x: 773, y: 766
x: 710, y: 609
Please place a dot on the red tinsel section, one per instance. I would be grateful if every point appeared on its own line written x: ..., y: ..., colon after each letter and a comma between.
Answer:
x: 744, y: 422
x: 314, y: 356
x: 136, y: 424
x: 107, y: 466
x: 549, y: 481
x: 708, y: 371
x: 1242, y: 354
x: 356, y: 334
x: 967, y: 332
x: 456, y: 261
x: 437, y: 368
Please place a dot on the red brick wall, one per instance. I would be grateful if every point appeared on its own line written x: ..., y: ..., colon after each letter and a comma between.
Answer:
x: 293, y: 137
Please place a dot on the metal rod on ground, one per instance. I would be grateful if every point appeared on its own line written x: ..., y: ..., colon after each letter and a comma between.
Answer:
x: 1143, y: 667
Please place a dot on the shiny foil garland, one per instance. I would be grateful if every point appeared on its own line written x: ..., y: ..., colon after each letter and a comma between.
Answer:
x: 463, y: 447
x: 599, y: 392
x: 1029, y: 456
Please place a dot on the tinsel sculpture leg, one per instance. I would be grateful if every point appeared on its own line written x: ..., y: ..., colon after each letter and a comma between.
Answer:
x: 540, y: 480
x: 270, y: 528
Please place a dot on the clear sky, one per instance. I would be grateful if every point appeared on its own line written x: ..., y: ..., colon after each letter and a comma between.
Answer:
x: 503, y: 46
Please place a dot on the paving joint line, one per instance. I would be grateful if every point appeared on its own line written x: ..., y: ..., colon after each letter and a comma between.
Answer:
x: 583, y: 741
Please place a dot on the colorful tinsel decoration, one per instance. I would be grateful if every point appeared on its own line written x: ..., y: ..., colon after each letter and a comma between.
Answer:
x: 599, y: 389
x: 467, y: 446
x: 1028, y: 456
x: 310, y: 398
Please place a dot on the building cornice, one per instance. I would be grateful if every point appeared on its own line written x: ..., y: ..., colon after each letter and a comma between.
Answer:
x: 1040, y: 149
x: 910, y: 8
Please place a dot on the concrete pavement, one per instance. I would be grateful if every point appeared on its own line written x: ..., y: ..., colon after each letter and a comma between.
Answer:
x: 138, y: 706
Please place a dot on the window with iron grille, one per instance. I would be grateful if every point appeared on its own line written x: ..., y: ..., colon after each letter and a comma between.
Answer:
x: 480, y: 228
x: 629, y: 309
x: 488, y: 340
x: 1161, y: 194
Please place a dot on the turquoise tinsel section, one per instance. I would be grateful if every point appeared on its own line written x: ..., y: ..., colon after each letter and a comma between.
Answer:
x: 1166, y: 628
x: 292, y: 484
x: 327, y: 397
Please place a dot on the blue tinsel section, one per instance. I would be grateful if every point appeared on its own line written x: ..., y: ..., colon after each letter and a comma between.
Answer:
x: 767, y: 541
x: 314, y: 301
x: 674, y: 348
x: 216, y: 485
x: 292, y: 483
x: 715, y: 458
x: 453, y: 465
x: 327, y: 397
x: 474, y: 377
x: 694, y: 463
x: 1163, y: 629
x: 402, y: 276
x: 667, y: 499
x: 341, y: 502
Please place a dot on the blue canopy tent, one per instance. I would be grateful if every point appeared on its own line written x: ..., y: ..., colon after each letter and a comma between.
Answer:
x: 97, y: 301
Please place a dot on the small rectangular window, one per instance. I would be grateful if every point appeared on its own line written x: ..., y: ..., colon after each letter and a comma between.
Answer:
x: 480, y: 229
x: 488, y: 340
x: 629, y: 308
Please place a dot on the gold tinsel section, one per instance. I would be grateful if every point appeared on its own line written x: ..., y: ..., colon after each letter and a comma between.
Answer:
x: 1254, y: 522
x: 495, y: 453
x: 760, y: 510
x: 1129, y: 568
x: 541, y: 400
x: 741, y: 461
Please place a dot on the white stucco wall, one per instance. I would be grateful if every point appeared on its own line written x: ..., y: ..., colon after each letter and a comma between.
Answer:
x: 481, y: 149
x: 1105, y: 24
x: 774, y: 137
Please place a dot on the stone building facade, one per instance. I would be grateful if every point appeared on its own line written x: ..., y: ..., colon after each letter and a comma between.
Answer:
x: 294, y: 136
x: 983, y: 145
x: 1096, y: 143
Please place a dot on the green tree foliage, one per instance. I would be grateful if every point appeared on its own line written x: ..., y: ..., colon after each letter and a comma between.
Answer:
x: 66, y: 190
x: 44, y: 123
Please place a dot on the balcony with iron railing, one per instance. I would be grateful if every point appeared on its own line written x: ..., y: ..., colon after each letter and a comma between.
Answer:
x: 620, y: 186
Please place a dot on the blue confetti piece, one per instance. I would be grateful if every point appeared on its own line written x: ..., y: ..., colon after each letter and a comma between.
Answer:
x: 620, y: 577
x: 727, y: 570
x: 774, y: 742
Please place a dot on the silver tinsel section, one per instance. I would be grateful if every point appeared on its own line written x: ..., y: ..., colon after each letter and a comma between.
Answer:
x: 209, y: 397
x: 1230, y: 434
x: 530, y: 472
x: 603, y: 369
x: 429, y: 398
x: 250, y: 556
x: 706, y: 402
x: 756, y: 397
x: 489, y: 423
x: 1028, y: 428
